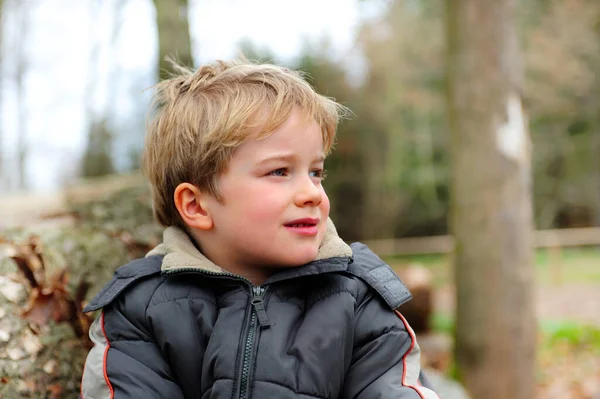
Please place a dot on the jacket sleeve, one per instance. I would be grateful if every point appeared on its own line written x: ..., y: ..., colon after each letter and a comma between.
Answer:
x: 386, y: 357
x: 125, y: 362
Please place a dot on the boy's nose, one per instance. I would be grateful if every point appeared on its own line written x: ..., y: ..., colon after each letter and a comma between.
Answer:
x: 308, y: 193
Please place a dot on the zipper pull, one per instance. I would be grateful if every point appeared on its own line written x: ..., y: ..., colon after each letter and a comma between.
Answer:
x: 259, y: 306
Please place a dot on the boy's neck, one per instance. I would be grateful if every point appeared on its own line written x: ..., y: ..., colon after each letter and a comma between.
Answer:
x: 255, y: 274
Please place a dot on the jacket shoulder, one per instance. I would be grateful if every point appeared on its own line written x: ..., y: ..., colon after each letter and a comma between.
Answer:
x: 124, y: 277
x: 378, y: 276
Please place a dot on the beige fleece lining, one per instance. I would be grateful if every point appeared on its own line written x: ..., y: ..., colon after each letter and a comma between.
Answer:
x: 180, y: 252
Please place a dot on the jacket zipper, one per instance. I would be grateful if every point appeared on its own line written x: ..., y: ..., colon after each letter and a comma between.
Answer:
x: 259, y: 316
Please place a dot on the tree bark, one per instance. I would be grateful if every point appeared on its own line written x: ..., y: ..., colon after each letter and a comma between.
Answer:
x: 173, y: 34
x: 491, y: 215
x: 22, y: 65
x: 594, y: 134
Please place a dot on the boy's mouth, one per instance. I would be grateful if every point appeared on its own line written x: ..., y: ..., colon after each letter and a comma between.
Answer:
x: 305, y: 227
x: 303, y: 222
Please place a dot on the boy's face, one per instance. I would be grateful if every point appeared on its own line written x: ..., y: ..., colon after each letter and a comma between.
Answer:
x: 274, y: 209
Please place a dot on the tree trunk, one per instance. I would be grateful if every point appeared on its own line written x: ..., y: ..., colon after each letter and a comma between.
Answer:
x: 491, y: 215
x: 594, y: 134
x: 594, y: 186
x: 22, y: 61
x: 173, y: 34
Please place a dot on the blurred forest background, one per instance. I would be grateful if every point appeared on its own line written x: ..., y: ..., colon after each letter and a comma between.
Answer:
x: 391, y: 157
x: 389, y: 176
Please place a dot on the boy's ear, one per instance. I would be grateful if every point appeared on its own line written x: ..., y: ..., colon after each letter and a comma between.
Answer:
x: 191, y: 204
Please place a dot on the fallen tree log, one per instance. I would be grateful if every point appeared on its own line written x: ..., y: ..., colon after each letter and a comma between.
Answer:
x: 43, y: 342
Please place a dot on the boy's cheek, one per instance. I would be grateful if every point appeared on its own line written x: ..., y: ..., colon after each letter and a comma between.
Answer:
x: 325, y: 205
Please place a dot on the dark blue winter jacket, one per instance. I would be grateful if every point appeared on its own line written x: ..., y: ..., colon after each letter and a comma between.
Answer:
x: 174, y: 325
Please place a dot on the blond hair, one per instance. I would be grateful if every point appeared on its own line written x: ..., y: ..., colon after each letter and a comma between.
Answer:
x: 199, y: 119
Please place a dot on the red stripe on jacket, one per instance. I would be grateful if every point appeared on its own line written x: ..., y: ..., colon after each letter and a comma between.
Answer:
x: 413, y: 342
x: 112, y: 392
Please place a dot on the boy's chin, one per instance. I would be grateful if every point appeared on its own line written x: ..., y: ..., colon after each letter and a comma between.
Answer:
x: 287, y: 255
x: 297, y: 258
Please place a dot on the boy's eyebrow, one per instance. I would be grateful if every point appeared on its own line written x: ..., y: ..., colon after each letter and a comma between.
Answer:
x: 289, y: 158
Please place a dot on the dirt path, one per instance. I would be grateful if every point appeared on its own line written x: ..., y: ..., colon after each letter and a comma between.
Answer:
x: 574, y: 301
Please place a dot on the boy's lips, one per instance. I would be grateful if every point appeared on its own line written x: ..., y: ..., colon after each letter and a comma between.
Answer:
x: 305, y: 226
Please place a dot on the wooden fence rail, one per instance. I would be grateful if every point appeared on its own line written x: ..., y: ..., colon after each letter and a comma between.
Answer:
x: 558, y: 238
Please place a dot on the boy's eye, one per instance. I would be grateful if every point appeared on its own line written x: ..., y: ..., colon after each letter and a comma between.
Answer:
x: 278, y: 172
x: 319, y: 174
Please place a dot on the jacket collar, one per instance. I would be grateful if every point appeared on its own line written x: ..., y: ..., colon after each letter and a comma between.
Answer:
x: 180, y: 252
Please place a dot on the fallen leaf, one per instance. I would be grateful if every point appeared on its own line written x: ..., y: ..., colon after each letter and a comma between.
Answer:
x: 43, y: 307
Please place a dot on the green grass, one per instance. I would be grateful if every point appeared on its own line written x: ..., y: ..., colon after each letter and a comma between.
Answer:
x: 552, y: 332
x: 576, y: 335
x: 442, y: 323
x: 574, y: 265
x: 570, y: 265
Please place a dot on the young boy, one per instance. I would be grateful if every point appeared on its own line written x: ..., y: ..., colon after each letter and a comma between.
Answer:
x: 252, y: 294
